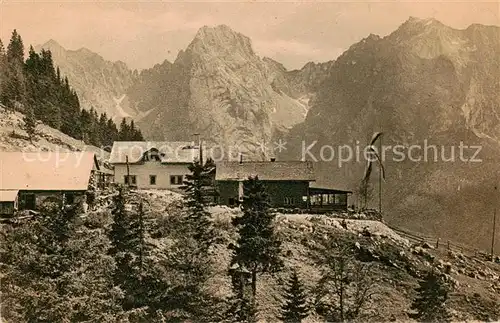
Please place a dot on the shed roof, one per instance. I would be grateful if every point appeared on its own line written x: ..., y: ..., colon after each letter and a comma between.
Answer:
x: 268, y: 170
x: 67, y: 171
x: 170, y: 151
x: 8, y: 195
x: 322, y: 189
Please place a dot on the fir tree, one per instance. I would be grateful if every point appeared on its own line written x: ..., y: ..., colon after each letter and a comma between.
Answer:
x: 3, y: 69
x: 189, y: 258
x: 197, y: 217
x: 29, y: 122
x: 124, y: 133
x: 126, y: 238
x: 295, y: 307
x: 257, y: 248
x: 430, y: 303
x: 15, y: 49
x: 13, y: 91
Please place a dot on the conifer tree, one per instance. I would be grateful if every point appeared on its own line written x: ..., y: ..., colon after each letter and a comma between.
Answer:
x: 29, y: 122
x: 258, y: 247
x: 124, y: 133
x: 13, y: 92
x: 294, y: 310
x: 3, y: 69
x: 197, y: 217
x: 430, y: 303
x: 125, y: 237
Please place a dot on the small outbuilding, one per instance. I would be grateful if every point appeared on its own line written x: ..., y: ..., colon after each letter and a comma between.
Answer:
x: 27, y: 180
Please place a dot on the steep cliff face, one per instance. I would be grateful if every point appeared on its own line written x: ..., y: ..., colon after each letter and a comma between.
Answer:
x: 99, y: 83
x: 220, y: 88
x: 425, y: 82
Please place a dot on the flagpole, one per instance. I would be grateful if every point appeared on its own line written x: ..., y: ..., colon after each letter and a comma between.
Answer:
x: 494, y: 225
x: 380, y: 178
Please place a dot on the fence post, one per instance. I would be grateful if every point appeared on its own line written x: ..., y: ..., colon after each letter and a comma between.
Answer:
x: 448, y: 245
x: 437, y: 243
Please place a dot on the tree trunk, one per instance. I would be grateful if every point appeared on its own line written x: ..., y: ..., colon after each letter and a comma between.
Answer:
x: 254, y: 287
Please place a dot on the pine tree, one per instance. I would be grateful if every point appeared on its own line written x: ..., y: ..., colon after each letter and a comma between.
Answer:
x: 198, y: 218
x: 430, y: 303
x: 14, y: 91
x: 29, y: 122
x: 126, y: 238
x: 124, y: 133
x: 295, y: 307
x: 258, y: 247
x: 3, y: 70
x: 15, y: 49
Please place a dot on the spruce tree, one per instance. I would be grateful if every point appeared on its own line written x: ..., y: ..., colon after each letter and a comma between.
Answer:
x: 3, y: 70
x: 124, y: 133
x: 258, y: 248
x: 126, y: 238
x: 197, y: 217
x: 14, y: 91
x: 430, y: 303
x: 295, y: 307
x: 29, y: 122
x: 15, y: 49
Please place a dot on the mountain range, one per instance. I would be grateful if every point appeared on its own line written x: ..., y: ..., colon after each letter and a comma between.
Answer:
x: 424, y: 82
x: 217, y: 86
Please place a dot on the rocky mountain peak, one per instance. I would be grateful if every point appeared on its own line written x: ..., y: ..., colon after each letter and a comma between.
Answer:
x: 416, y: 26
x: 51, y: 43
x: 55, y: 48
x: 221, y: 39
x: 87, y: 52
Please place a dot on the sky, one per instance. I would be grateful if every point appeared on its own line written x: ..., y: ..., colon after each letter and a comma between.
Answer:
x: 144, y: 33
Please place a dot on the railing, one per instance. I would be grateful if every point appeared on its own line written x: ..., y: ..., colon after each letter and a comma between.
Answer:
x: 439, y: 243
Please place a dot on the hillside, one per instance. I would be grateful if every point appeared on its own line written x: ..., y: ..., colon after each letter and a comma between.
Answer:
x: 395, y: 263
x: 425, y: 84
x: 14, y: 138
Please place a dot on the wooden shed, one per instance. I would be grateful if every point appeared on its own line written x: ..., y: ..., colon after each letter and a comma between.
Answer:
x: 29, y: 179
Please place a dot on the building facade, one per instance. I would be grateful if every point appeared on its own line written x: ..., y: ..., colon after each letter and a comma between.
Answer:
x: 28, y: 180
x: 289, y: 185
x: 152, y: 165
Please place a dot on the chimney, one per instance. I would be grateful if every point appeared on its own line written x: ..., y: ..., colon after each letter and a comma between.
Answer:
x: 273, y: 159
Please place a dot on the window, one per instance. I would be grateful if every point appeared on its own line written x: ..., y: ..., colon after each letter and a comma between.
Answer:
x: 176, y: 179
x: 289, y: 201
x: 315, y: 199
x: 130, y: 179
x: 70, y: 198
x: 152, y: 179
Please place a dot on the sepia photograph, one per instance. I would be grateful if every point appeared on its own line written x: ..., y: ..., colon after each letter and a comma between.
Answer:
x: 249, y: 161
